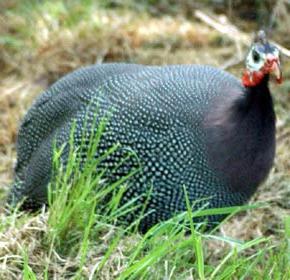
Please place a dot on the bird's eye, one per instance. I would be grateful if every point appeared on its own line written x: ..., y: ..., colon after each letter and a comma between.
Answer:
x: 256, y: 56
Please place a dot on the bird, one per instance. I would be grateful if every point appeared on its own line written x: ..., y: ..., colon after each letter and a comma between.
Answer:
x: 191, y: 127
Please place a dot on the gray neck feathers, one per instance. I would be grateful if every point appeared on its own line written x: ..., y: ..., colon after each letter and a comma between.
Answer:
x: 240, y: 138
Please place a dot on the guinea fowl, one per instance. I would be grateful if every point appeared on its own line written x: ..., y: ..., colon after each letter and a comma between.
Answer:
x: 189, y: 125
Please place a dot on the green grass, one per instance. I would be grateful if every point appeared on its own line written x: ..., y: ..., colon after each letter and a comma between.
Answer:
x: 79, y: 237
x: 83, y: 209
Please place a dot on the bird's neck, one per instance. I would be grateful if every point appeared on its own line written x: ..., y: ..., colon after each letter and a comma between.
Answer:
x: 256, y: 98
x: 261, y: 87
x: 240, y: 137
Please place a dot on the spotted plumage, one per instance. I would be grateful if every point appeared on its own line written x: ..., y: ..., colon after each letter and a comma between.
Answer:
x: 161, y: 114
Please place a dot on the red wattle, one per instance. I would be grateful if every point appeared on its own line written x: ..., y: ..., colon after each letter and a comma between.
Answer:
x: 251, y: 79
x: 279, y: 80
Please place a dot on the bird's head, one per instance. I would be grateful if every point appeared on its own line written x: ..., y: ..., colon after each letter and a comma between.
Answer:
x: 262, y: 59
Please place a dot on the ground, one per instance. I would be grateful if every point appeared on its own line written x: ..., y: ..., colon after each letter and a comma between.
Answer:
x: 41, y: 41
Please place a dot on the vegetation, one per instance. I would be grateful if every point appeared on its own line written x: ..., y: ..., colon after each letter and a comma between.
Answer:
x: 76, y: 238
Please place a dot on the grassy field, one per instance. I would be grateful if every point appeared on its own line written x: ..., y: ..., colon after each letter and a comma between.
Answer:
x: 41, y: 41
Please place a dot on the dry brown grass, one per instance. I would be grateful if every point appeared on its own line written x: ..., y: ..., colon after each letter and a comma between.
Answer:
x: 119, y: 37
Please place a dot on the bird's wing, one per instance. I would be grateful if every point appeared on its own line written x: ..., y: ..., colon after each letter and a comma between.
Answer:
x: 59, y: 103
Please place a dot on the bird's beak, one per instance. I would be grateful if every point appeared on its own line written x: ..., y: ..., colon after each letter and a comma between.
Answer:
x: 274, y: 67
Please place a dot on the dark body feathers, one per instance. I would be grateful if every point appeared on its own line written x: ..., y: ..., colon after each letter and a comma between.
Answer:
x: 192, y: 126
